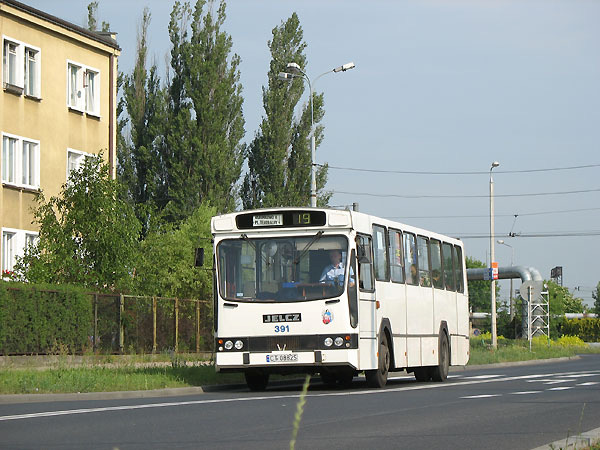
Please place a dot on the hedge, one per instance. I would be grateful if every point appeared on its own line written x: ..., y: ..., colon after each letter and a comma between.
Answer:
x: 41, y: 319
x: 587, y: 328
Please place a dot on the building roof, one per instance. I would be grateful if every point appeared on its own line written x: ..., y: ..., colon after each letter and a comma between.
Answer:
x: 104, y: 38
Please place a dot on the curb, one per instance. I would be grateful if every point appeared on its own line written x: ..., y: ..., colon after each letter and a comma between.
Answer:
x: 582, y: 440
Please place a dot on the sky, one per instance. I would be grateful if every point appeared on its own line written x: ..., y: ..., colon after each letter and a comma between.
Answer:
x: 441, y: 89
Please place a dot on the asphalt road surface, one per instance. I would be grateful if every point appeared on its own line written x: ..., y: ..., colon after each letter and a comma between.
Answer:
x: 507, y: 407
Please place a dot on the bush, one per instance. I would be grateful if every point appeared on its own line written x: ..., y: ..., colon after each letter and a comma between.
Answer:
x: 587, y: 329
x: 36, y: 319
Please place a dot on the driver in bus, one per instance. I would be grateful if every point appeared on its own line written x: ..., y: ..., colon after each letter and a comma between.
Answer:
x: 334, y: 272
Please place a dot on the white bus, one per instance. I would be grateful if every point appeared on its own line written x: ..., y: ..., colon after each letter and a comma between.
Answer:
x: 397, y: 301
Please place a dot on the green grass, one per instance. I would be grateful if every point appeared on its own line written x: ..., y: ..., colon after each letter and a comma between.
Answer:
x: 103, y: 379
x: 509, y: 350
x: 109, y: 373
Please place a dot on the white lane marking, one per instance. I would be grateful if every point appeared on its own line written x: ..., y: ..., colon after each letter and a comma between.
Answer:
x: 589, y: 383
x: 558, y: 381
x: 414, y: 387
x: 483, y: 377
x: 483, y: 396
x: 562, y: 388
x: 541, y: 380
x: 525, y: 392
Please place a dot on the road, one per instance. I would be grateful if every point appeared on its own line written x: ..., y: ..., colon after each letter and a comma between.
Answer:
x: 509, y: 407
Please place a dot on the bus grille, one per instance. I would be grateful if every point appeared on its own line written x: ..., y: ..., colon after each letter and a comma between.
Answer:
x: 281, y: 343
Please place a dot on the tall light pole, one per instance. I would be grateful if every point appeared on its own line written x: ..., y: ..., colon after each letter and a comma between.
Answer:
x: 294, y: 70
x: 492, y: 257
x: 512, y: 263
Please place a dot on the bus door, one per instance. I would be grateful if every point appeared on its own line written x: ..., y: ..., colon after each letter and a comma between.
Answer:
x: 367, y: 311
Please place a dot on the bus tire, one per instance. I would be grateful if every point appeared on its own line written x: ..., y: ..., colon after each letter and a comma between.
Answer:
x: 440, y: 372
x: 256, y: 380
x: 378, y: 378
x: 422, y: 373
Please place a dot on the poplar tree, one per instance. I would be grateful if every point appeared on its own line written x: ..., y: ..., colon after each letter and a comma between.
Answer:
x: 203, y: 151
x: 140, y: 164
x: 279, y: 156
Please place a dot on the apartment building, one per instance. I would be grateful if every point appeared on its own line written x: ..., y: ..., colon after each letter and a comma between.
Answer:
x: 57, y: 105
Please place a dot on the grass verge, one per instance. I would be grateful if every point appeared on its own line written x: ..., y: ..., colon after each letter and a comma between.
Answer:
x: 103, y: 377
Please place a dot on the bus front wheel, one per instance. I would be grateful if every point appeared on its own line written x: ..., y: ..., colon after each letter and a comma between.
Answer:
x: 256, y: 380
x: 378, y: 378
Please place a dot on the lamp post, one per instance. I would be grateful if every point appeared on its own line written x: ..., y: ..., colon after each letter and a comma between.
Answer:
x: 492, y: 257
x: 512, y: 262
x: 294, y: 70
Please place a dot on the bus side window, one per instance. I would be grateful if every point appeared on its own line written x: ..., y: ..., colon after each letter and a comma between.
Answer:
x: 436, y: 264
x: 396, y: 257
x: 458, y: 269
x: 410, y: 259
x: 424, y: 269
x: 380, y: 253
x: 365, y: 264
x: 448, y: 267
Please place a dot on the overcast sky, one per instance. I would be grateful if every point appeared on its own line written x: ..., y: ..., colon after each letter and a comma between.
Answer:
x: 439, y: 86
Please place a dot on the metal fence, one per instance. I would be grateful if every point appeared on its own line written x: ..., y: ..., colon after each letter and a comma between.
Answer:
x: 135, y: 324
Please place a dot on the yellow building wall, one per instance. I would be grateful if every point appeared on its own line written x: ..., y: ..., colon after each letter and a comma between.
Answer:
x: 49, y: 119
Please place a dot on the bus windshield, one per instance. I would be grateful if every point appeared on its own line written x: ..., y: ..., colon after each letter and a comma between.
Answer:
x: 282, y: 269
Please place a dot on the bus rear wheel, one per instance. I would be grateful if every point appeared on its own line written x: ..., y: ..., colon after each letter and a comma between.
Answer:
x: 440, y: 372
x: 378, y: 378
x: 256, y: 380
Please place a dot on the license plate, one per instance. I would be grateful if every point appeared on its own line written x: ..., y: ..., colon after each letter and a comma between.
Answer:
x: 282, y: 357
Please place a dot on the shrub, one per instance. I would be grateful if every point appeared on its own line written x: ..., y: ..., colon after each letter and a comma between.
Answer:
x: 587, y: 328
x: 35, y: 319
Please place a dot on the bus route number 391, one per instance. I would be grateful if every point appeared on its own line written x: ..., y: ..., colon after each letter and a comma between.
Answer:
x: 282, y: 328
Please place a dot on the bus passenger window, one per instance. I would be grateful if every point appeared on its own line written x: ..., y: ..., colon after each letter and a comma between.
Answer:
x: 365, y: 266
x: 380, y: 253
x: 436, y: 264
x: 448, y: 267
x: 458, y: 269
x: 423, y: 252
x: 410, y: 259
x: 396, y: 257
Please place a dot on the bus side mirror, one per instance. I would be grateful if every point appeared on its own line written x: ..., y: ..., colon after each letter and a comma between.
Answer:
x: 199, y: 257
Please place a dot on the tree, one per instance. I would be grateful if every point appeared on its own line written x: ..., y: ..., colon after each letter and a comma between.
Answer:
x: 166, y: 265
x: 88, y: 235
x: 92, y: 18
x: 596, y: 297
x: 140, y: 156
x: 562, y: 301
x: 203, y: 151
x: 279, y: 156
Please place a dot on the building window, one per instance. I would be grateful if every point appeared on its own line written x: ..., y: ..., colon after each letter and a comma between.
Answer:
x: 20, y: 161
x: 83, y: 88
x: 92, y: 94
x: 75, y: 160
x: 14, y: 243
x: 32, y: 72
x: 10, y: 64
x: 21, y: 68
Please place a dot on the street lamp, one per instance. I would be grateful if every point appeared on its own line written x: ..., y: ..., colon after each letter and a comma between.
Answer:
x: 294, y: 70
x: 512, y: 262
x: 492, y: 257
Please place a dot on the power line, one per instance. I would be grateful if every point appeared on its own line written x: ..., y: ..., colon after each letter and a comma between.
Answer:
x: 537, y: 194
x: 418, y: 172
x: 487, y: 216
x: 531, y: 235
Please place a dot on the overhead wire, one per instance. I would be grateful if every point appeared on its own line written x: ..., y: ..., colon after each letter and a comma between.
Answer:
x: 421, y: 196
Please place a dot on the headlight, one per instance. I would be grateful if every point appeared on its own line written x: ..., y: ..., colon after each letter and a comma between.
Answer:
x: 338, y: 341
x: 239, y: 344
x: 228, y: 345
x: 328, y: 342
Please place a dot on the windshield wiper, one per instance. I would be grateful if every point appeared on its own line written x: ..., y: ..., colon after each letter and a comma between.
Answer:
x: 314, y: 239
